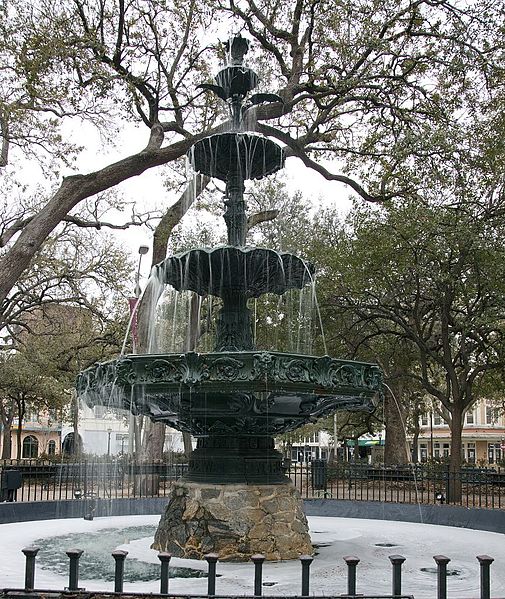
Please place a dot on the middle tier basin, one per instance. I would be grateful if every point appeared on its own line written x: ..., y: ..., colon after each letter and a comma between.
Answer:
x: 253, y: 271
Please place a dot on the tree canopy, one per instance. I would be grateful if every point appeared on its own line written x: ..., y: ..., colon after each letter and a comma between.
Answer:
x: 429, y: 278
x: 368, y: 84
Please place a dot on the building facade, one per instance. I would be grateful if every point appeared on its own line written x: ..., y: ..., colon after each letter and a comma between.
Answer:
x: 483, y: 440
x: 104, y: 431
x: 40, y: 436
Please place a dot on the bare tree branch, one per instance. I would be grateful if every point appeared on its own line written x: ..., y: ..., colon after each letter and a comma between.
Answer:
x: 261, y: 217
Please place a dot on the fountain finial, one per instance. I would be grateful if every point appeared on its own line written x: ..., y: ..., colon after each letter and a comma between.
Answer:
x: 236, y: 48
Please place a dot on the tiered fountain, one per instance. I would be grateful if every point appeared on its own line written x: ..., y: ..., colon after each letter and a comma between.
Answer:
x: 235, y: 499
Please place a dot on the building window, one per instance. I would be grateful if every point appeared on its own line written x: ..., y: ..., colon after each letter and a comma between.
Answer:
x: 446, y: 450
x: 423, y: 452
x: 436, y: 450
x: 437, y: 419
x: 99, y: 411
x: 469, y: 452
x: 470, y: 418
x: 31, y: 415
x: 493, y: 453
x: 51, y: 448
x: 424, y: 420
x: 492, y: 414
x: 30, y: 447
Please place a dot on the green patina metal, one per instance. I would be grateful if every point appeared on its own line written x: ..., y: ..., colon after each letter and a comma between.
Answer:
x: 194, y: 392
x: 235, y: 399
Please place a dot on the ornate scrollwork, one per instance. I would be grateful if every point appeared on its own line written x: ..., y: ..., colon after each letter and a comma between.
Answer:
x: 296, y: 371
x: 163, y: 371
x: 227, y: 369
x: 125, y: 373
x: 241, y: 403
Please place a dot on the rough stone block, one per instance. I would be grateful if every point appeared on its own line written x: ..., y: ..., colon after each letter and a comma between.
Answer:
x: 234, y: 521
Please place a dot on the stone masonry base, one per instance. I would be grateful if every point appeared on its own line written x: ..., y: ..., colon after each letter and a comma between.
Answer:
x: 234, y: 521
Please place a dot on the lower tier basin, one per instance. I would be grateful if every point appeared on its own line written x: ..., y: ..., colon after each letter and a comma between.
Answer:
x: 241, y: 393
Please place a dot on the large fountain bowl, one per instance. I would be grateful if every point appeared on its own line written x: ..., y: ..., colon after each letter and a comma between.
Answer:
x: 258, y: 393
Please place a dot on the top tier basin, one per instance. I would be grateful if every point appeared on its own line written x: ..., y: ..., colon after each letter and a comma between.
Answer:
x: 236, y: 80
x: 227, y: 154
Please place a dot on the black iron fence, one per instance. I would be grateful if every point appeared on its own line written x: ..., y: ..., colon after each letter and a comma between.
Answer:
x: 26, y: 480
x: 349, y: 590
x: 106, y: 479
x: 416, y: 483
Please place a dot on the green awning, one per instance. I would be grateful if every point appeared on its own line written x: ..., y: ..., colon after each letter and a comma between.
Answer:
x: 365, y: 442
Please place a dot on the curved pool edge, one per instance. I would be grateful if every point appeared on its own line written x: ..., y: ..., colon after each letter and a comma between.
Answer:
x: 491, y: 520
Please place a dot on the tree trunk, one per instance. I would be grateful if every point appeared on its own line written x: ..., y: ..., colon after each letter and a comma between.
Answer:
x: 76, y: 446
x: 454, y: 481
x: 7, y: 439
x: 151, y: 453
x: 415, y: 441
x: 396, y: 447
x: 18, y: 438
x: 416, y: 418
x: 188, y: 444
x: 7, y: 418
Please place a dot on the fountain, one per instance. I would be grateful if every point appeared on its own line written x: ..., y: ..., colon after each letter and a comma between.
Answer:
x: 235, y: 499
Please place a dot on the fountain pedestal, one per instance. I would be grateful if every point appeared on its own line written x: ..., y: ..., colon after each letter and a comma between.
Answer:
x: 235, y: 521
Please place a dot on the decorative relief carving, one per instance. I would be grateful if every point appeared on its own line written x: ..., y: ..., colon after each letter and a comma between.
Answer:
x: 228, y: 369
x: 163, y: 370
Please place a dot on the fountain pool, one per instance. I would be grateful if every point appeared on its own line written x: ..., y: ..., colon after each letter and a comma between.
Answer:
x: 371, y: 540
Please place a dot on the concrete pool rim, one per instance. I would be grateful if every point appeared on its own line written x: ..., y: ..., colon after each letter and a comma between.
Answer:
x: 491, y: 520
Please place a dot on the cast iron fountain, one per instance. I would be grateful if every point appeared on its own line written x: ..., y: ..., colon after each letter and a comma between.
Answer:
x: 235, y: 499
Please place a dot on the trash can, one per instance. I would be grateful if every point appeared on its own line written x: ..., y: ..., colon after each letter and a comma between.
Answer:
x: 286, y: 465
x: 10, y: 482
x: 318, y: 474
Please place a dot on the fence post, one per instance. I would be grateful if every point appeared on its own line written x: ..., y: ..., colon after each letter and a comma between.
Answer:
x: 306, y: 561
x: 258, y: 560
x: 165, y: 562
x: 485, y: 579
x: 397, y: 561
x: 119, y: 556
x: 211, y: 580
x: 441, y: 562
x: 73, y: 572
x: 351, y: 562
x: 30, y: 553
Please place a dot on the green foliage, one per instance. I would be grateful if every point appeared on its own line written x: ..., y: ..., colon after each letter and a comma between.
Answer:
x: 26, y: 380
x: 423, y: 283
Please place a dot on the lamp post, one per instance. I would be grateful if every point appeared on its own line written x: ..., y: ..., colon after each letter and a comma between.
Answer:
x: 109, y: 432
x: 335, y: 438
x: 143, y: 249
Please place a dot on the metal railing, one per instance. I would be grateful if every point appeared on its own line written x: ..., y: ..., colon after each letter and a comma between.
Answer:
x: 116, y: 479
x: 105, y: 479
x: 416, y: 483
x: 352, y: 562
